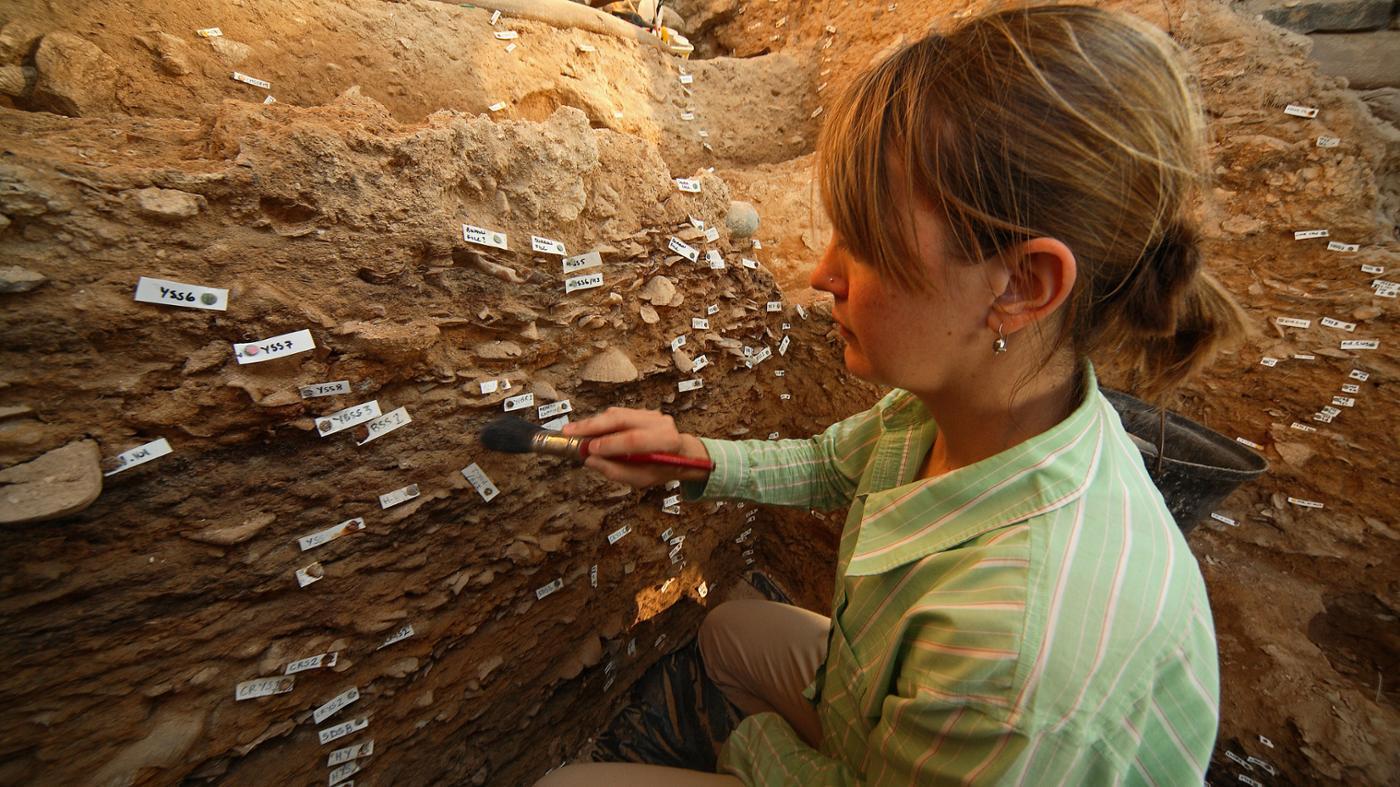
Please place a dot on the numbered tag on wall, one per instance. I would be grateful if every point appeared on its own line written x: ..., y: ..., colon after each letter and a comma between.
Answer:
x: 174, y: 293
x: 384, y: 424
x: 480, y: 482
x: 139, y: 456
x: 275, y: 347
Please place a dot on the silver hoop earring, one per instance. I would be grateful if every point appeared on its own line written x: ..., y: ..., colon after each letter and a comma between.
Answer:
x: 999, y: 346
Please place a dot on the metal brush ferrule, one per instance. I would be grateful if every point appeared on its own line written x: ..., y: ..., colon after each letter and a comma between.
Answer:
x: 557, y: 445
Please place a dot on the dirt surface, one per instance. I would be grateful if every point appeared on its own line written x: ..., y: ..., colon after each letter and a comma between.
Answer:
x: 339, y: 209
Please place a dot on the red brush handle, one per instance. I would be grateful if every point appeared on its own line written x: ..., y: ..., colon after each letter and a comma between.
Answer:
x: 654, y: 459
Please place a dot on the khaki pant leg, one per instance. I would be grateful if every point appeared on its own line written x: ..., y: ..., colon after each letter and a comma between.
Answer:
x: 627, y: 774
x: 763, y: 654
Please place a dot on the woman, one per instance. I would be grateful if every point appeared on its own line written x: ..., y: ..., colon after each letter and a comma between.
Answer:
x: 1014, y: 603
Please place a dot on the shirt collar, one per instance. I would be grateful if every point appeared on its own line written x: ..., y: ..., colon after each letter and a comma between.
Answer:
x: 916, y: 519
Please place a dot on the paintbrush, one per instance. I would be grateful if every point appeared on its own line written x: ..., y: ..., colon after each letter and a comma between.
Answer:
x: 513, y: 435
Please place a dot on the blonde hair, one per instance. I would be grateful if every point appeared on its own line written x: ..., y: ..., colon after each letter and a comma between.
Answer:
x: 1068, y: 122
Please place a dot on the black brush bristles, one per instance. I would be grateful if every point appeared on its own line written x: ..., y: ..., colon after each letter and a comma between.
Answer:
x: 510, y: 434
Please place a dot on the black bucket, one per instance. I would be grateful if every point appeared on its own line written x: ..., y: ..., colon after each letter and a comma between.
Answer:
x: 1199, y: 468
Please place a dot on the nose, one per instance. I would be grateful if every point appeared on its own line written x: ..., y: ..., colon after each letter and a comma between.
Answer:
x: 829, y: 275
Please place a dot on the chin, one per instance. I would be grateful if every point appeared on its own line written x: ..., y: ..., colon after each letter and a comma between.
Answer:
x: 858, y: 366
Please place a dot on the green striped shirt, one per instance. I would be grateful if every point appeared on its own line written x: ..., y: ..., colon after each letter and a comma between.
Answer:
x: 1035, y: 617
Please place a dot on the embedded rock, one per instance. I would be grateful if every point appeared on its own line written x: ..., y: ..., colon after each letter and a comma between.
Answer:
x: 75, y: 78
x: 61, y: 482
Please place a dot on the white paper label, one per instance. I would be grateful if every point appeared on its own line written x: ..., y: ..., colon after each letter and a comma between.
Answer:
x: 1374, y: 270
x: 1304, y: 357
x: 801, y: 312
x: 1343, y: 401
x: 759, y: 357
x: 1302, y: 427
x: 748, y: 263
x: 496, y: 107
x: 587, y: 48
x: 269, y: 100
x: 671, y: 501
x: 555, y: 408
x: 334, y: 705
x: 244, y: 78
x: 1292, y: 322
x: 547, y: 589
x: 547, y: 246
x: 519, y: 402
x: 1250, y: 443
x: 402, y: 634
x: 666, y: 536
x: 480, y: 482
x: 715, y: 259
x: 677, y: 342
x: 785, y: 396
x: 685, y: 386
x: 1323, y: 417
x: 506, y: 35
x: 331, y: 533
x: 556, y: 424
x: 699, y: 363
x: 703, y: 590
x: 174, y: 293
x: 1225, y: 519
x: 326, y: 660
x: 401, y: 495
x: 696, y: 223
x: 325, y: 389
x: 1361, y: 344
x: 263, y: 687
x: 712, y: 234
x: 341, y: 756
x: 341, y: 730
x: 140, y: 455
x: 583, y: 262
x: 587, y: 281
x: 774, y: 306
x: 1309, y: 234
x: 341, y: 420
x: 684, y: 249
x: 780, y: 372
x: 783, y: 346
x: 617, y: 534
x: 209, y: 32
x: 1298, y: 110
x: 686, y: 184
x: 1328, y: 142
x: 712, y: 310
x: 686, y: 79
x: 1304, y: 503
x: 484, y: 237
x: 491, y: 386
x: 1331, y: 411
x: 1331, y: 323
x: 1357, y: 374
x: 1335, y: 246
x: 593, y: 576
x: 310, y: 575
x: 699, y: 323
x: 342, y: 773
x: 1267, y: 361
x: 495, y: 17
x: 687, y: 117
x: 275, y: 347
x: 385, y: 424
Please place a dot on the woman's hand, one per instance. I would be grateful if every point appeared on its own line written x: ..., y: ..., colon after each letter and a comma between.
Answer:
x: 619, y: 430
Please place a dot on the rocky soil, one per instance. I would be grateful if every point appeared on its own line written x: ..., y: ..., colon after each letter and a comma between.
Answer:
x: 135, y: 604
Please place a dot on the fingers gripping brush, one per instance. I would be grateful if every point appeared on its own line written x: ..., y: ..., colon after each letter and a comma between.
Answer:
x: 513, y: 435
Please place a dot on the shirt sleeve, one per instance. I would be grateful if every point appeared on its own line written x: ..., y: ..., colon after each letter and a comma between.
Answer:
x: 923, y: 739
x: 818, y: 472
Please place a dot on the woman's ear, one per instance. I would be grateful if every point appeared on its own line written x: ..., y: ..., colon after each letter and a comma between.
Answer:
x: 1041, y: 277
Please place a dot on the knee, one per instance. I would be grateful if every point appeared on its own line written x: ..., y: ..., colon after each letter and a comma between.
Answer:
x: 715, y: 631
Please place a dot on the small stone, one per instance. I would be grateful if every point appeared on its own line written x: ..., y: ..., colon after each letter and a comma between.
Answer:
x: 610, y: 366
x: 497, y: 351
x: 659, y: 290
x: 1242, y: 225
x: 682, y: 361
x: 1366, y: 313
x: 61, y: 482
x: 74, y: 77
x: 16, y: 279
x: 15, y: 81
x: 230, y: 51
x: 649, y: 315
x: 168, y: 204
x: 742, y: 219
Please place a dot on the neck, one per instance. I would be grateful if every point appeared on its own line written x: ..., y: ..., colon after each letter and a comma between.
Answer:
x: 989, y: 413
